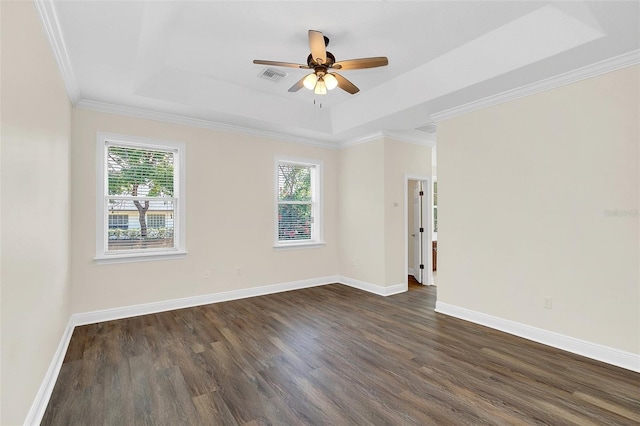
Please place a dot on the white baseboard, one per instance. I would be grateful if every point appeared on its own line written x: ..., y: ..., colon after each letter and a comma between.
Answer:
x: 39, y: 406
x: 188, y: 302
x: 373, y: 288
x: 205, y: 299
x: 591, y: 350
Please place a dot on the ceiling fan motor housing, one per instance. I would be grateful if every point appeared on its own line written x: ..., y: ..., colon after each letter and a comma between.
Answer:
x: 330, y: 61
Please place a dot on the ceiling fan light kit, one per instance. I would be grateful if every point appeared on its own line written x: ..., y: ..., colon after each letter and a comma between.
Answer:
x: 330, y: 81
x: 310, y: 81
x: 321, y: 88
x: 321, y: 61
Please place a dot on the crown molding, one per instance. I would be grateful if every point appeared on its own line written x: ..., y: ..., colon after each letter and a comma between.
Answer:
x: 51, y: 26
x: 360, y: 140
x: 410, y: 138
x: 396, y: 135
x: 196, y: 122
x: 602, y: 67
x: 207, y: 124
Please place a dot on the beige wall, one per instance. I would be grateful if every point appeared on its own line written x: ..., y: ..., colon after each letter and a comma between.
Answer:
x: 230, y: 217
x: 362, y: 213
x: 400, y: 159
x: 525, y: 189
x: 372, y: 190
x: 35, y: 121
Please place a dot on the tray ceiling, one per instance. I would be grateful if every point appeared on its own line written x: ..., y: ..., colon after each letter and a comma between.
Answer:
x: 192, y: 60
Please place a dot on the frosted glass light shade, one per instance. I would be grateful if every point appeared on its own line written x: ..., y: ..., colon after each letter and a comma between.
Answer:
x: 321, y: 88
x: 330, y: 81
x: 310, y: 81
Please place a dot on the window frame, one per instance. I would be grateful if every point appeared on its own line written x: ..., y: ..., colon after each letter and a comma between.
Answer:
x: 317, y: 229
x: 102, y: 215
x: 434, y: 213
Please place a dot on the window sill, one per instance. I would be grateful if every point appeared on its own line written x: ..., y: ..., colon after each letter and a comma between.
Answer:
x: 139, y: 257
x: 295, y: 246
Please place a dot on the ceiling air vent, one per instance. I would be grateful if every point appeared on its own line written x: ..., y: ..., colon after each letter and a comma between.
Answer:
x: 272, y: 75
x: 429, y: 128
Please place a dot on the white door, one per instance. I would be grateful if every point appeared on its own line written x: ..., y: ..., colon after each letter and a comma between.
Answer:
x: 418, y: 232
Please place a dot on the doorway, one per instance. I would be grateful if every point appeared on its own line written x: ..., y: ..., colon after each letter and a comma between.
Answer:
x: 418, y: 229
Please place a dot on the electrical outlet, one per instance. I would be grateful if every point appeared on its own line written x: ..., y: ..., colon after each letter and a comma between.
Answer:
x: 238, y: 271
x: 206, y: 274
x: 548, y: 302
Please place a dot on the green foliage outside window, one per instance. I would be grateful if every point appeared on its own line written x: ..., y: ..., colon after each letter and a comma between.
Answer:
x: 294, y: 202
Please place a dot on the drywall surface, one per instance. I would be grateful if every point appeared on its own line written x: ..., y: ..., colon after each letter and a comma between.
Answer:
x: 539, y: 198
x: 362, y: 212
x: 230, y: 217
x: 372, y: 215
x: 36, y: 125
x: 400, y: 159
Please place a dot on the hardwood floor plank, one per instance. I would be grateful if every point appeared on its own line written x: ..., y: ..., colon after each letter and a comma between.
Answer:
x: 197, y: 374
x: 300, y: 395
x: 178, y: 403
x: 212, y: 410
x: 614, y: 408
x: 118, y: 396
x: 328, y: 355
x: 77, y: 344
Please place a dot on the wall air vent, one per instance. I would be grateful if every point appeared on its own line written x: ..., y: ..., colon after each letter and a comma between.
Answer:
x: 272, y: 75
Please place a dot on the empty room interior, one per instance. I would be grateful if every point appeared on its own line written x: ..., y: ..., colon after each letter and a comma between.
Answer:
x: 371, y: 212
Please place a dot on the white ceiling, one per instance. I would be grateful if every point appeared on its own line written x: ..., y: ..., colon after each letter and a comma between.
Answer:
x: 193, y: 59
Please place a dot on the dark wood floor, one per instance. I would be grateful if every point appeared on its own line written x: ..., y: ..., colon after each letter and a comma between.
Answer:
x: 328, y: 355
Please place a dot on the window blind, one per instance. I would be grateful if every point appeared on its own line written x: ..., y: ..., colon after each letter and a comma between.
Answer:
x: 295, y: 202
x: 140, y: 198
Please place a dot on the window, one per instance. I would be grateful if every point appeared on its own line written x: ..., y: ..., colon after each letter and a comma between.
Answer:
x: 140, y: 198
x: 156, y: 221
x: 435, y: 207
x: 298, y: 203
x: 118, y: 221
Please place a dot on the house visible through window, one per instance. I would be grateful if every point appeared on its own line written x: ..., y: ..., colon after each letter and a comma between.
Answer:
x: 140, y: 198
x: 298, y: 203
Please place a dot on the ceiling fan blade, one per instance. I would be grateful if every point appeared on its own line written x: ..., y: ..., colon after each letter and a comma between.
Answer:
x: 280, y: 64
x: 345, y: 84
x: 355, y: 64
x: 299, y: 85
x: 317, y: 46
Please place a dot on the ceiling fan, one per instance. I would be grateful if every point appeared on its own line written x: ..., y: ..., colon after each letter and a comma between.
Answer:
x: 323, y: 63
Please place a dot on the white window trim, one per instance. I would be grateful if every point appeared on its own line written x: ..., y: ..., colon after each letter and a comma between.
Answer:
x: 317, y: 239
x: 102, y: 220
